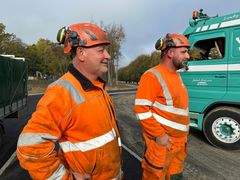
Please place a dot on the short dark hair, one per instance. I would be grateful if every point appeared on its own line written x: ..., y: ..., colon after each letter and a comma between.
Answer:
x: 73, y: 52
x: 164, y: 52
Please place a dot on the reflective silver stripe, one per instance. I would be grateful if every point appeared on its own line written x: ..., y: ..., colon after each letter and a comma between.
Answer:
x: 142, y: 116
x: 70, y: 88
x: 143, y: 102
x: 58, y: 173
x: 171, y: 109
x: 164, y: 87
x: 90, y: 144
x: 171, y: 124
x: 27, y: 139
x: 119, y: 141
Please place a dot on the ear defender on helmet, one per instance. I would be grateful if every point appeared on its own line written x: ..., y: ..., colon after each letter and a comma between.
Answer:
x: 81, y: 35
x: 172, y: 40
x: 61, y: 35
x: 73, y: 38
x: 159, y: 44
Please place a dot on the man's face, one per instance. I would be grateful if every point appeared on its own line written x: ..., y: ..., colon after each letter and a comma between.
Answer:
x: 96, y: 60
x: 180, y: 57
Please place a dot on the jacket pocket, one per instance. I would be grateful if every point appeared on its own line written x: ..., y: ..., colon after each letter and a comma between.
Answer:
x: 99, y: 156
x: 81, y: 162
x: 154, y: 159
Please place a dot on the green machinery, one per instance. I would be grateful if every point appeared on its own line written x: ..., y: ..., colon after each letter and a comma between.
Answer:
x: 13, y: 87
x: 213, y: 77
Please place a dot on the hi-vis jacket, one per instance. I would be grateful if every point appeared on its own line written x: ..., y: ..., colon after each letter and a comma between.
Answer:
x: 161, y: 104
x: 79, y: 115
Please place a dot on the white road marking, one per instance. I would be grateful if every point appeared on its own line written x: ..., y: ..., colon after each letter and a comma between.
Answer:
x: 132, y: 153
x: 9, y: 162
x: 35, y: 94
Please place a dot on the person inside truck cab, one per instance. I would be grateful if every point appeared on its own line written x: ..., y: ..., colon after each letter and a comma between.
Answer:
x: 208, y: 49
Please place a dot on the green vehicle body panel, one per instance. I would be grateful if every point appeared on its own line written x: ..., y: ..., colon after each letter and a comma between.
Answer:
x: 218, y: 22
x: 213, y: 82
x: 13, y: 88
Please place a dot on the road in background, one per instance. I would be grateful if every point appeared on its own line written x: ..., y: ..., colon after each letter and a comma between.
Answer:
x: 204, y: 162
x: 13, y: 127
x: 131, y: 166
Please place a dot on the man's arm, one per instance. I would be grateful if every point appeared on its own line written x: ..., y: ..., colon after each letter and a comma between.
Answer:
x: 36, y: 143
x: 147, y: 92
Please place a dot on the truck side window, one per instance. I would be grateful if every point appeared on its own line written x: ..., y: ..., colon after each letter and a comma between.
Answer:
x: 208, y: 49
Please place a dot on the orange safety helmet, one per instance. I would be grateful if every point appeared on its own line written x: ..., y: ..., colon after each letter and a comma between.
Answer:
x: 172, y: 40
x: 82, y: 34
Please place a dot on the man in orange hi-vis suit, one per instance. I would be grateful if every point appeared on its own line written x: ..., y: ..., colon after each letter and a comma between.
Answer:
x: 161, y: 106
x: 77, y: 113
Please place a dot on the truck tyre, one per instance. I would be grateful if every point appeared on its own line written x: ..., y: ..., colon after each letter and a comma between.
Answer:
x: 221, y: 127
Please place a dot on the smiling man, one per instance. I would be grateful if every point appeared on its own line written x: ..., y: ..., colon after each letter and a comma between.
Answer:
x: 76, y: 112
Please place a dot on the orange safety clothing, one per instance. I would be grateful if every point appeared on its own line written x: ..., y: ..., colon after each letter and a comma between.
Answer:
x: 79, y: 115
x: 161, y: 106
x: 172, y: 40
x: 83, y: 35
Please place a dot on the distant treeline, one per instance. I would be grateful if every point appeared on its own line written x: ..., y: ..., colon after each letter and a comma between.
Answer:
x: 48, y: 58
x: 135, y: 69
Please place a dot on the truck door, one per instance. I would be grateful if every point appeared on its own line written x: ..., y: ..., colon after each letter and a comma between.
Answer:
x: 206, y: 78
x: 234, y: 67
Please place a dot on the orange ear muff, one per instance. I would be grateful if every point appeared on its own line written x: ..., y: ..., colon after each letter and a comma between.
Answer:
x: 61, y: 35
x: 159, y: 44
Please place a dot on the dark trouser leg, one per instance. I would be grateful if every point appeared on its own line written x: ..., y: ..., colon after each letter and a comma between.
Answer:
x: 176, y: 176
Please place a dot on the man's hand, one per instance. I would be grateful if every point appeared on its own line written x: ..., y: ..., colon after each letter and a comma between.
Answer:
x: 79, y: 176
x: 164, y: 140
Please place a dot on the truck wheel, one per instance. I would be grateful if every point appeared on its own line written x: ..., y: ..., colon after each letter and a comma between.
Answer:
x: 221, y: 127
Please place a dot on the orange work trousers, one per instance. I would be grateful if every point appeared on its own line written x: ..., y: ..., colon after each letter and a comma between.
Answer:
x: 159, y: 162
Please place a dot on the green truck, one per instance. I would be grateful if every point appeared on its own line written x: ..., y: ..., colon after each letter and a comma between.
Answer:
x: 213, y: 77
x: 13, y: 87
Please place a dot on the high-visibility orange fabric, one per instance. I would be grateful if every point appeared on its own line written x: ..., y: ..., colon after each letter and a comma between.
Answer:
x: 151, y: 90
x: 82, y: 122
x: 159, y: 162
x: 161, y: 105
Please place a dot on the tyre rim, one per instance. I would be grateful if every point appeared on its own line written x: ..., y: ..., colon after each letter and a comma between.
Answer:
x: 226, y: 130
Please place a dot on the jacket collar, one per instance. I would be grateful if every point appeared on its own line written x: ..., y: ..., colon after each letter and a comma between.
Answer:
x: 86, y: 84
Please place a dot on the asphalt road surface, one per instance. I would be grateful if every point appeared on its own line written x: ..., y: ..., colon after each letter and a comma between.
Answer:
x: 13, y: 127
x: 203, y: 162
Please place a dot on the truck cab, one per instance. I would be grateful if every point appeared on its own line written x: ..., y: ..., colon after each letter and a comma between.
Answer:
x: 213, y: 77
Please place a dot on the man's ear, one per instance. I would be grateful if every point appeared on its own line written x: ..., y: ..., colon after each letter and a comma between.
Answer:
x: 80, y: 53
x: 171, y: 52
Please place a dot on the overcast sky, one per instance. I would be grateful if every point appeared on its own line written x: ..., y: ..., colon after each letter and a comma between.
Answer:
x: 144, y: 21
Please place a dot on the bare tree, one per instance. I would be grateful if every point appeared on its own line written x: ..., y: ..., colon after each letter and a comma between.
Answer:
x: 116, y: 37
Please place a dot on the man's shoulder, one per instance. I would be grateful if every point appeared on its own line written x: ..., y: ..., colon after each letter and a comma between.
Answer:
x: 152, y: 71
